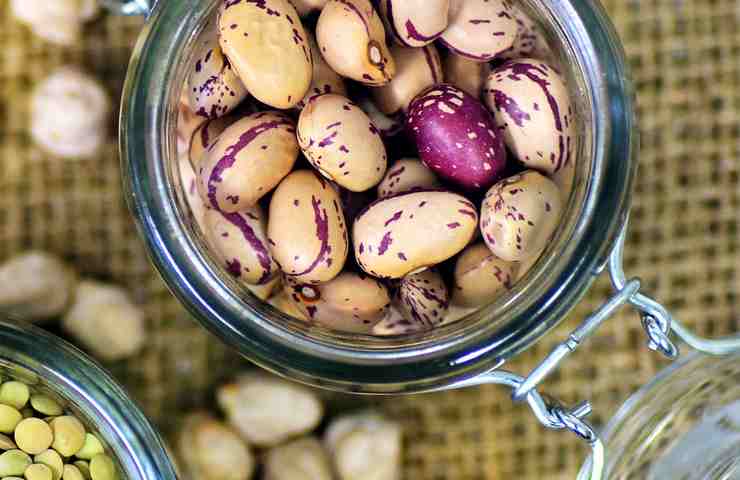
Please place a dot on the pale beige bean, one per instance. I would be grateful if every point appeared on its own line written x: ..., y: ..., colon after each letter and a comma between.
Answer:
x: 399, y: 235
x: 417, y: 69
x: 349, y: 303
x: 239, y: 240
x: 306, y: 231
x: 530, y: 101
x: 480, y: 29
x: 69, y: 435
x: 53, y: 460
x: 33, y: 436
x: 268, y: 410
x: 193, y: 199
x: 70, y: 113
x: 248, y: 160
x: 342, y: 143
x: 37, y: 286
x: 466, y: 74
x: 304, y: 458
x: 211, y: 450
x: 187, y: 123
x: 407, y: 175
x: 415, y: 23
x: 213, y: 86
x: 365, y: 445
x: 351, y: 36
x: 519, y: 216
x: 324, y: 79
x: 423, y: 298
x: 105, y: 320
x: 480, y: 276
x: 266, y: 44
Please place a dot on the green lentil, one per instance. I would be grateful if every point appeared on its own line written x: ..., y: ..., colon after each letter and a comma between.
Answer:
x: 38, y: 471
x: 33, y: 435
x: 91, y: 447
x: 72, y: 473
x: 46, y: 405
x: 7, y: 443
x: 69, y: 435
x: 53, y: 460
x: 9, y: 418
x: 102, y: 468
x: 15, y: 394
x: 84, y: 468
x: 14, y: 462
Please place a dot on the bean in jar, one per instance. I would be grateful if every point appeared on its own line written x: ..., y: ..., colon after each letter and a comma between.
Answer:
x: 409, y: 162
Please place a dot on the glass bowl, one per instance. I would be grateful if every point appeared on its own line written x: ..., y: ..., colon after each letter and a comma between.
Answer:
x: 593, y: 63
x: 683, y: 425
x: 51, y: 365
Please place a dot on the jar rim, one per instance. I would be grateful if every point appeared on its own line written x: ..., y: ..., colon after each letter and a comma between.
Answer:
x: 421, y: 366
x: 93, y: 392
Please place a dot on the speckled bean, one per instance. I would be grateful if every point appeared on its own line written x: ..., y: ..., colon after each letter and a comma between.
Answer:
x: 324, y: 80
x: 349, y: 303
x: 480, y: 29
x: 266, y: 44
x: 531, y: 103
x: 530, y: 41
x: 466, y: 74
x: 470, y: 152
x: 268, y: 290
x: 480, y: 276
x: 406, y: 175
x: 351, y: 36
x: 307, y: 232
x: 205, y: 136
x: 520, y: 215
x: 239, y: 240
x: 248, y: 160
x: 187, y: 123
x: 417, y: 69
x: 415, y: 23
x: 342, y: 143
x: 388, y: 126
x: 398, y: 235
x: 213, y: 86
x: 395, y: 324
x: 285, y: 304
x: 190, y: 192
x: 423, y: 298
x: 524, y: 267
x: 304, y: 7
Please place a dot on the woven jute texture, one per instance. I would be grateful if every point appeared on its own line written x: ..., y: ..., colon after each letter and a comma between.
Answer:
x: 683, y: 240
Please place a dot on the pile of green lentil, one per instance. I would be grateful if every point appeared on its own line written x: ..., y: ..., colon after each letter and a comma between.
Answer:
x: 41, y: 440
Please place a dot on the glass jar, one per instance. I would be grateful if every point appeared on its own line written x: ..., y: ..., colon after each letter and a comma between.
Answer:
x: 684, y: 425
x: 593, y: 62
x: 49, y: 364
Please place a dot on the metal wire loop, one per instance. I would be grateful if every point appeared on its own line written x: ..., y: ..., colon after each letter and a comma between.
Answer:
x: 658, y: 337
x: 575, y: 424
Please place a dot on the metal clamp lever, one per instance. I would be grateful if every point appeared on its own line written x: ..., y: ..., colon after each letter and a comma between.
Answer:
x: 657, y: 323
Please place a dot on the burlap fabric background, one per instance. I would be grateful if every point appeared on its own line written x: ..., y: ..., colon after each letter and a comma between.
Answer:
x: 683, y: 241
